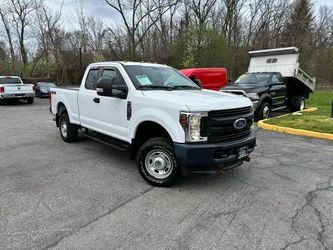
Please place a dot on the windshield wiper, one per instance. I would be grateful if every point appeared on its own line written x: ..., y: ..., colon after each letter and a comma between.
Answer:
x: 184, y: 87
x: 155, y: 87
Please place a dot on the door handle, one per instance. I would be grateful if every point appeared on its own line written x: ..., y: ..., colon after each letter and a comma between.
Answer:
x: 97, y: 100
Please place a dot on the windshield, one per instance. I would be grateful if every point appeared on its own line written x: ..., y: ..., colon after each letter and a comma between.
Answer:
x: 10, y: 81
x: 154, y: 77
x: 253, y: 79
x: 46, y: 84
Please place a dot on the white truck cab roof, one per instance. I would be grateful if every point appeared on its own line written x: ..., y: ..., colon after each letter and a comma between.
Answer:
x: 127, y: 63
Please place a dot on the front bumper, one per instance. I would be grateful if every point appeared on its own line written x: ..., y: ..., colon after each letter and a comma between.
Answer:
x: 16, y: 96
x: 44, y: 94
x: 211, y: 157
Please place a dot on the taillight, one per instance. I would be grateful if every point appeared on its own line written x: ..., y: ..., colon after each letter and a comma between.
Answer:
x: 2, y: 89
x: 50, y: 97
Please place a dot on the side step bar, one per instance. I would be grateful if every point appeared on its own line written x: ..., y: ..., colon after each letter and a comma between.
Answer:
x: 110, y: 141
x: 275, y: 109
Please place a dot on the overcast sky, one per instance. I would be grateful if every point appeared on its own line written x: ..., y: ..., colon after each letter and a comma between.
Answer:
x: 99, y: 8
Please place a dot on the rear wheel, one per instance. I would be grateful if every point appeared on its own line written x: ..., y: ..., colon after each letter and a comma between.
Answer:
x: 68, y: 131
x: 263, y: 111
x: 157, y: 162
x: 30, y: 100
x: 297, y: 103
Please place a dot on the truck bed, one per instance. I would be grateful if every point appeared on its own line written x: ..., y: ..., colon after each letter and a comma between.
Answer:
x: 69, y: 97
x: 304, y: 78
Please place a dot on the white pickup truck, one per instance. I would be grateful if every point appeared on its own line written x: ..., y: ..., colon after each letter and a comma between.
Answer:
x: 12, y: 87
x: 167, y: 122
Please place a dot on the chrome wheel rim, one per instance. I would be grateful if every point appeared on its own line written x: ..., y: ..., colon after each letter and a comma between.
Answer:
x: 265, y: 112
x: 63, y: 128
x: 159, y: 164
x: 302, y: 105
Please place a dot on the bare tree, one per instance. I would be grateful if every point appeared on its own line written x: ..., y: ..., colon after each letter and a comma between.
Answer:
x: 22, y: 11
x: 4, y: 14
x: 47, y: 22
x: 324, y: 28
x: 135, y: 15
x: 201, y: 10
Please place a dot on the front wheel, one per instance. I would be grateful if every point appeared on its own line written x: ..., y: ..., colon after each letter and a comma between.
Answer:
x: 157, y: 163
x: 263, y: 111
x: 68, y: 131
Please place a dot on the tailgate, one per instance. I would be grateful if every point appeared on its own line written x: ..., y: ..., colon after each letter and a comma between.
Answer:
x: 18, y: 88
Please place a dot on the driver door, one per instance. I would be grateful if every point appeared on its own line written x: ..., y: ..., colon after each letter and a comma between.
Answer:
x: 107, y: 114
x: 278, y: 91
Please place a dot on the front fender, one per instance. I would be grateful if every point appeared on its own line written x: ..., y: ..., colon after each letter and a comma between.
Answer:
x: 168, y: 121
x: 264, y: 97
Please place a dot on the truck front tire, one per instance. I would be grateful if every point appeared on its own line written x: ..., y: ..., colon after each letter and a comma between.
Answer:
x: 68, y: 131
x: 157, y: 163
x: 263, y: 112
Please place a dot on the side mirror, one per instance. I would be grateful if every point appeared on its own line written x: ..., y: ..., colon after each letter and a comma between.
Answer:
x: 108, y: 87
x: 104, y: 86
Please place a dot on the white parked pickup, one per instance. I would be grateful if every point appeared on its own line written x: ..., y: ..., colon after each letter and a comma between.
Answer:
x: 167, y: 122
x: 12, y: 87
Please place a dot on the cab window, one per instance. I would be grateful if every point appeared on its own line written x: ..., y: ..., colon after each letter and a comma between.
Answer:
x: 276, y: 79
x: 114, y: 76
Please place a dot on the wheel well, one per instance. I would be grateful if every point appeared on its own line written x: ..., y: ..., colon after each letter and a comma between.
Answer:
x: 61, y: 108
x: 146, y: 131
x: 267, y: 99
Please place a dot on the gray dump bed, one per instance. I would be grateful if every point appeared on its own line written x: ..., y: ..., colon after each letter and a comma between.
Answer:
x: 283, y: 60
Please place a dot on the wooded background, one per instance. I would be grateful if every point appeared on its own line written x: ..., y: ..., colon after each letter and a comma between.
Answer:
x: 187, y: 33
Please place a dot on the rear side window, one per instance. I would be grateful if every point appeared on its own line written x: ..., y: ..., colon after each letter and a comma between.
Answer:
x: 92, y: 79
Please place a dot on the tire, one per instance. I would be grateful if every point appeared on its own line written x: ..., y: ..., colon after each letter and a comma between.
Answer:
x: 157, y: 162
x: 68, y: 131
x: 263, y: 111
x: 30, y: 100
x: 297, y: 103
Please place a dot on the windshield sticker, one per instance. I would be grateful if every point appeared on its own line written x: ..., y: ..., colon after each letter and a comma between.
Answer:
x: 143, y: 80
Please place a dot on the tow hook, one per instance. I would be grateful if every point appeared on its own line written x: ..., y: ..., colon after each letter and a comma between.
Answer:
x: 247, y: 158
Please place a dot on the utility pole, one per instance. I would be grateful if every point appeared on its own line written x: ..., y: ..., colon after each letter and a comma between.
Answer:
x: 81, y: 67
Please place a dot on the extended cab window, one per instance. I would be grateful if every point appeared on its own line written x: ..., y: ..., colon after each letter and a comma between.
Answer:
x: 92, y: 79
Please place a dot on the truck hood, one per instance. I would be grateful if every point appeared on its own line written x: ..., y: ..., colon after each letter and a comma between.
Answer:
x: 199, y: 100
x: 247, y: 88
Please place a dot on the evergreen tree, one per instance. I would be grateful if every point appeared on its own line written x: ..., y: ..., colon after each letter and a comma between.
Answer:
x: 300, y: 25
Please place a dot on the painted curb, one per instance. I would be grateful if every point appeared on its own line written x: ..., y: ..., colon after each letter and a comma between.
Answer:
x: 294, y: 131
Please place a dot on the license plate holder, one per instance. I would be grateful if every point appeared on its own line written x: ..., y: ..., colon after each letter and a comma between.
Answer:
x: 242, y: 152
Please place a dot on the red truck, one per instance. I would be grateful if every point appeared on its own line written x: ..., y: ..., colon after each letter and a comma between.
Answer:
x: 211, y: 78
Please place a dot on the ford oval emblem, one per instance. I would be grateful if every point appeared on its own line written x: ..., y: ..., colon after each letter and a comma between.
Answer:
x: 240, y: 123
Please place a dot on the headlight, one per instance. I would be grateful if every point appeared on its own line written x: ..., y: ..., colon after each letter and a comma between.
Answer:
x: 253, y: 96
x: 191, y: 122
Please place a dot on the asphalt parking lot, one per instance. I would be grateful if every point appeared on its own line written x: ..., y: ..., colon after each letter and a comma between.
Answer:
x: 87, y: 195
